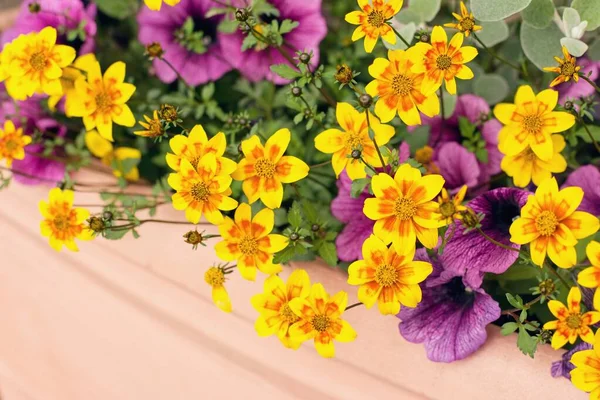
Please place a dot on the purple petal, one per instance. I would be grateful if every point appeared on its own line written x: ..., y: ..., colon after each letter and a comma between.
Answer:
x: 458, y: 166
x: 588, y: 179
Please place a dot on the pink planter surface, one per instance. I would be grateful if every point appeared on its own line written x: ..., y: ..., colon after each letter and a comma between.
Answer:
x: 133, y: 319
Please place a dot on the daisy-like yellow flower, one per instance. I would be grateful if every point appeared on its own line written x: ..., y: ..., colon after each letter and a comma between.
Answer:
x: 399, y: 90
x: 530, y: 121
x: 215, y: 277
x: 36, y: 64
x: 155, y: 5
x: 451, y: 208
x: 104, y: 150
x: 201, y: 191
x: 551, y: 225
x: 264, y: 168
x: 403, y: 208
x: 355, y: 136
x: 372, y: 21
x: 73, y: 72
x: 590, y: 277
x: 465, y: 22
x: 62, y: 223
x: 571, y: 322
x: 101, y: 99
x: 567, y: 69
x: 441, y: 61
x: 586, y: 375
x: 195, y: 146
x: 527, y: 166
x: 276, y: 316
x: 388, y: 278
x: 12, y: 143
x: 250, y: 241
x: 321, y: 320
x: 424, y: 156
x: 153, y: 127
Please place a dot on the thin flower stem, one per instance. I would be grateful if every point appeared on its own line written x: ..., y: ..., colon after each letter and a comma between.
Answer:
x: 351, y: 306
x: 179, y: 77
x: 368, y: 165
x: 589, y: 133
x: 230, y: 268
x: 497, y: 243
x: 555, y: 273
x: 525, y: 322
x: 399, y: 36
x: 374, y: 141
x: 525, y: 306
x: 442, y: 116
x: 495, y: 55
x: 591, y: 82
x: 324, y: 163
x: 143, y: 221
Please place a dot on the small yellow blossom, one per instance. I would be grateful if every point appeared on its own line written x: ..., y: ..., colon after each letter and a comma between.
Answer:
x: 70, y: 74
x: 215, y: 277
x: 465, y: 22
x: 424, y: 156
x: 155, y: 5
x: 372, y: 21
x: 590, y: 277
x: 111, y: 157
x: 12, y: 143
x: 567, y: 69
x: 451, y: 208
x: 586, y: 375
x: 153, y: 127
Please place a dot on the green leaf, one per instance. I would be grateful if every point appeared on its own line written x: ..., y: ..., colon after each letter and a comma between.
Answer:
x: 208, y: 91
x: 494, y: 10
x: 493, y: 33
x: 539, y: 13
x: 426, y: 9
x: 295, y: 215
x: 509, y: 328
x: 407, y: 31
x: 328, y: 253
x: 358, y: 186
x: 285, y: 71
x: 287, y: 26
x: 492, y: 87
x: 418, y: 138
x: 526, y: 343
x: 119, y: 9
x: 482, y: 155
x: 449, y: 103
x: 114, y: 234
x: 594, y: 130
x: 575, y: 47
x: 228, y: 26
x: 286, y: 254
x: 541, y: 45
x: 515, y: 301
x: 466, y: 128
x: 310, y: 212
x: 589, y: 10
x: 523, y: 316
x: 594, y: 50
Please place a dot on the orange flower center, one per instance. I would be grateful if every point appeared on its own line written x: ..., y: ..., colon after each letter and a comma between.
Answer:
x: 200, y: 191
x: 574, y: 321
x: 532, y: 123
x: 447, y: 209
x: 320, y: 323
x: 287, y: 314
x: 386, y: 275
x: 546, y: 223
x: 466, y: 24
x: 567, y: 69
x: 11, y: 145
x: 155, y: 128
x: 103, y: 102
x: 214, y: 276
x: 530, y: 155
x: 443, y: 62
x: 424, y: 155
x: 376, y: 18
x: 264, y: 168
x: 405, y: 208
x: 353, y: 140
x: 61, y: 223
x: 402, y: 85
x: 248, y: 246
x: 38, y: 60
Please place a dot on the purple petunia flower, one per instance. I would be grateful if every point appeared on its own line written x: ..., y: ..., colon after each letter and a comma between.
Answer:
x: 471, y: 255
x: 205, y: 55
x: 563, y: 367
x: 587, y: 178
x: 64, y: 15
x: 576, y: 90
x: 457, y: 165
x: 451, y: 318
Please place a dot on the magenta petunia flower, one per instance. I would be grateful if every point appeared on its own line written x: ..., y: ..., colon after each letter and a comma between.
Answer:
x: 451, y: 318
x: 575, y: 90
x: 587, y: 178
x: 457, y: 165
x: 64, y: 15
x: 200, y: 56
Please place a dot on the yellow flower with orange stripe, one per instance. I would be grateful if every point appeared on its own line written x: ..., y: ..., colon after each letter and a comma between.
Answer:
x: 12, y: 143
x: 372, y: 21
x: 451, y: 208
x: 264, y: 169
x: 215, y: 277
x: 465, y: 21
x: 355, y: 136
x: 399, y: 90
x: 250, y: 241
x: 551, y: 225
x: 388, y: 278
x: 403, y: 208
x: 276, y: 316
x: 590, y: 277
x: 321, y: 320
x: 571, y: 322
x: 567, y: 69
x: 114, y: 157
x: 586, y: 375
x: 531, y: 121
x: 441, y: 61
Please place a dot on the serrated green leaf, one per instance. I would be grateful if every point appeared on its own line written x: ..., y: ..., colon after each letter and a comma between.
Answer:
x: 287, y: 25
x: 509, y: 328
x: 285, y: 71
x: 515, y: 301
x: 358, y: 186
x: 114, y: 234
x: 328, y: 253
x: 228, y: 26
x: 466, y: 128
x: 295, y: 215
x: 310, y: 212
x: 494, y: 10
x: 526, y: 343
x: 119, y: 9
x: 523, y: 316
x: 539, y: 13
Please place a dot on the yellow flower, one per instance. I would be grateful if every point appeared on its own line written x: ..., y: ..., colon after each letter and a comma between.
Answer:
x: 321, y: 319
x: 195, y: 146
x: 276, y: 317
x: 442, y: 61
x: 527, y: 166
x: 399, y: 90
x: 571, y: 322
x: 567, y: 69
x: 403, y: 208
x: 12, y: 143
x: 250, y: 241
x: 465, y: 22
x: 355, y: 136
x: 372, y: 21
x: 62, y: 223
x: 590, y: 277
x: 73, y: 72
x: 424, y: 156
x: 586, y: 375
x: 201, y: 190
x: 388, y: 278
x: 550, y: 223
x: 104, y: 150
x: 101, y: 99
x: 215, y: 277
x: 450, y: 208
x: 530, y: 121
x: 155, y: 5
x: 35, y: 64
x: 264, y: 169
x: 153, y: 127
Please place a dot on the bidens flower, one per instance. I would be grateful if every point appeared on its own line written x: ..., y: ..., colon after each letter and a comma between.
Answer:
x: 215, y: 277
x: 531, y: 121
x: 354, y: 137
x: 70, y: 75
x: 464, y: 22
x: 12, y: 143
x: 590, y: 277
x: 550, y: 223
x: 567, y: 69
x: 321, y: 319
x: 264, y: 169
x: 399, y: 90
x: 388, y: 278
x: 62, y: 223
x: 451, y: 208
x: 123, y: 160
x: 153, y: 127
x: 372, y: 21
x: 571, y: 322
x: 403, y: 208
x: 586, y: 375
x: 155, y: 5
x: 250, y: 241
x: 101, y: 99
x: 276, y: 316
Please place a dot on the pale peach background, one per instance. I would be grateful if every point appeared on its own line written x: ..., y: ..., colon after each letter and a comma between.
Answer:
x: 133, y: 319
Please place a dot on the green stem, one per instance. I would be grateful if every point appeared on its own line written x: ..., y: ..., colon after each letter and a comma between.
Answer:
x: 351, y: 306
x: 374, y: 141
x: 324, y: 163
x: 555, y: 273
x: 587, y: 130
x: 525, y: 306
x: 368, y: 165
x: 497, y: 243
x: 493, y: 54
x: 591, y: 82
x: 399, y: 36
